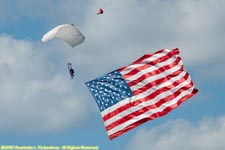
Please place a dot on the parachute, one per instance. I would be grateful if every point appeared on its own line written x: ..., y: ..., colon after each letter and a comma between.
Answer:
x: 100, y: 11
x: 66, y: 32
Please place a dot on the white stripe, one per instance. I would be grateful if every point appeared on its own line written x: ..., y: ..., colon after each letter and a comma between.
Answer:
x: 156, y: 77
x: 151, y: 69
x: 147, y: 103
x: 147, y: 60
x: 149, y: 113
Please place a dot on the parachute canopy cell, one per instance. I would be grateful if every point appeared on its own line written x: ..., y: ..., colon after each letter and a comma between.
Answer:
x: 66, y: 32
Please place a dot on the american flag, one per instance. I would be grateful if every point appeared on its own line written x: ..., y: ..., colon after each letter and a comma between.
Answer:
x: 149, y: 88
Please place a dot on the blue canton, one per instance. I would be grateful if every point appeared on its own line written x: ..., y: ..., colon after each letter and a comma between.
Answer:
x: 109, y: 89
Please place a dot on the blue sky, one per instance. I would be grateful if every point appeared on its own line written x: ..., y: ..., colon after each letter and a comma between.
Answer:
x: 40, y: 105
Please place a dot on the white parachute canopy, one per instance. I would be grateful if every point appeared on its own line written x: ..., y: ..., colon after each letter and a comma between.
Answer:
x: 67, y: 32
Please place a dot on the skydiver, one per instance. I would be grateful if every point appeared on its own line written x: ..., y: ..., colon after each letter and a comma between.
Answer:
x: 71, y: 70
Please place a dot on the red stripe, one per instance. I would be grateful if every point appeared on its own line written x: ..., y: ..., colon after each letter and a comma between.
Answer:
x: 147, y: 56
x: 153, y: 116
x: 150, y: 55
x: 157, y: 82
x: 137, y: 102
x: 147, y: 108
x: 155, y: 72
x: 151, y: 63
